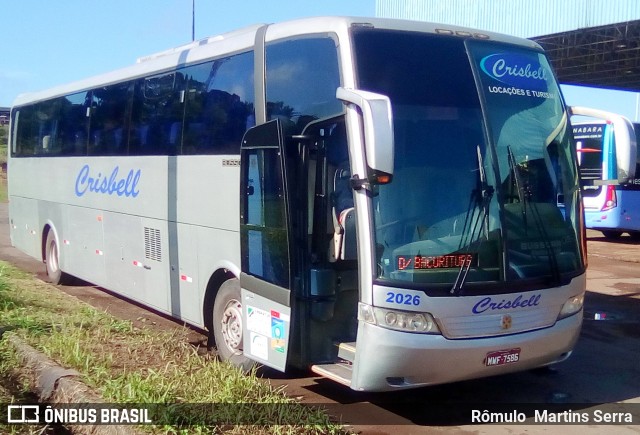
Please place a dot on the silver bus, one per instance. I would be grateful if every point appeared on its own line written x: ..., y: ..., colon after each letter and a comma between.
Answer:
x: 391, y: 204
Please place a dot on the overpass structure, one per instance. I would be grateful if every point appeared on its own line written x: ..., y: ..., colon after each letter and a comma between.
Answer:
x: 589, y: 42
x: 4, y: 115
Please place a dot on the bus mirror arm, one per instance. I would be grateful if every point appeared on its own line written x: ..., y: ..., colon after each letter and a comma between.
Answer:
x: 358, y: 183
x: 625, y: 140
x: 377, y: 118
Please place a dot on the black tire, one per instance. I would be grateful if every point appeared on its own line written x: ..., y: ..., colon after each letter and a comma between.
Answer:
x: 228, y: 324
x: 52, y: 260
x: 612, y: 234
x: 635, y: 235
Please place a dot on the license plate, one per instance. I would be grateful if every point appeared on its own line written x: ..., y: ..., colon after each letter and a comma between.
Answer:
x: 502, y: 357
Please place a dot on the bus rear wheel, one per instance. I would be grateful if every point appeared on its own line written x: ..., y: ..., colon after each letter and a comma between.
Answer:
x: 228, y: 325
x: 52, y: 260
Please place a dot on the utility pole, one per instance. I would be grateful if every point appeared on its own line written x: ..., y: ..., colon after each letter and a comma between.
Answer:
x: 193, y: 20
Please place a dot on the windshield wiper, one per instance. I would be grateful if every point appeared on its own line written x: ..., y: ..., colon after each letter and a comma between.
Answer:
x: 474, y: 222
x: 524, y: 195
x: 551, y: 254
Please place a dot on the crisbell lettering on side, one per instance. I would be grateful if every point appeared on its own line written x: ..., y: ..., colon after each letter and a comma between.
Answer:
x: 108, y: 185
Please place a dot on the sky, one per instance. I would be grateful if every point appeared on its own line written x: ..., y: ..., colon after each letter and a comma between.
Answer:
x: 52, y: 42
x: 46, y: 43
x: 621, y: 102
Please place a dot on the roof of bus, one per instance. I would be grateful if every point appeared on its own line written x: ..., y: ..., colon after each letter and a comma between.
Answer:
x: 244, y: 38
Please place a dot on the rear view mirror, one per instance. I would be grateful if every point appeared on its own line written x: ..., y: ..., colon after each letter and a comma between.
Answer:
x: 378, y: 130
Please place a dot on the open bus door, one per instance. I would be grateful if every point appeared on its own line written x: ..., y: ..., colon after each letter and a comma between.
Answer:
x: 265, y: 279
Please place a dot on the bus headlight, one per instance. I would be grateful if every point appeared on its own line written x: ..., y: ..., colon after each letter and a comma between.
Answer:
x: 572, y: 306
x: 407, y: 321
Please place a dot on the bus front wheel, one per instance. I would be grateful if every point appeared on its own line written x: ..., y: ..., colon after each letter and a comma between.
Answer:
x: 52, y: 260
x: 228, y: 325
x: 612, y: 234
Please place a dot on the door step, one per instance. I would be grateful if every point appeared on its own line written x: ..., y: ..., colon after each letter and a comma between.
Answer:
x: 337, y: 372
x: 347, y: 351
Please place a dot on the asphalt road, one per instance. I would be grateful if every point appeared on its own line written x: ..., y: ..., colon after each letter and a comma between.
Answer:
x: 604, y: 369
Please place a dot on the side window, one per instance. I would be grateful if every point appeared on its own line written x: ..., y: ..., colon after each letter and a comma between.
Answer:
x: 25, y: 131
x: 302, y: 78
x: 74, y: 124
x: 109, y: 113
x: 156, y: 118
x: 219, y: 105
x: 15, y: 116
x: 38, y: 129
x: 264, y: 235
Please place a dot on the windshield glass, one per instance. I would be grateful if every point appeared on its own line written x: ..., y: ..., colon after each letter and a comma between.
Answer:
x: 589, y: 142
x: 485, y: 182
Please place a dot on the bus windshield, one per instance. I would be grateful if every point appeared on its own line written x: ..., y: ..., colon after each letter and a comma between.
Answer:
x: 485, y: 185
x: 590, y: 140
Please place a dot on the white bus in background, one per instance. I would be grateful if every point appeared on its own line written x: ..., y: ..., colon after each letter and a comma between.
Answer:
x: 609, y: 208
x: 374, y: 199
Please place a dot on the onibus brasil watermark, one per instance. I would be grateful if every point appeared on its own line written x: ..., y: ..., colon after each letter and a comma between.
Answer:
x: 40, y: 414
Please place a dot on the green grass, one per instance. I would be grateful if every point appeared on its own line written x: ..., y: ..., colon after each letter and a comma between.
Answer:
x: 126, y: 364
x: 4, y: 134
x: 4, y: 131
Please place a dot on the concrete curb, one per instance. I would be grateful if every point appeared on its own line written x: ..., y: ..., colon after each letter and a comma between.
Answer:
x: 56, y: 385
x: 626, y: 259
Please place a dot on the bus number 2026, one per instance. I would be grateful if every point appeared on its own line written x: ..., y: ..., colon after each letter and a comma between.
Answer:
x: 403, y: 299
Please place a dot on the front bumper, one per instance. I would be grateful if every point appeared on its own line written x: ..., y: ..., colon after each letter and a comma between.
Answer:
x: 388, y: 360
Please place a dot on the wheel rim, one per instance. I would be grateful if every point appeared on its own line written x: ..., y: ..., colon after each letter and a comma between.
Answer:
x: 52, y: 258
x: 232, y: 325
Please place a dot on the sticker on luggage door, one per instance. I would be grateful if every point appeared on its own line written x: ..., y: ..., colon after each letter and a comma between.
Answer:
x: 267, y: 331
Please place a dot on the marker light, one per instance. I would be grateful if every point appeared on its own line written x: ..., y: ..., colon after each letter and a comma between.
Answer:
x: 383, y: 178
x: 406, y: 321
x: 379, y: 177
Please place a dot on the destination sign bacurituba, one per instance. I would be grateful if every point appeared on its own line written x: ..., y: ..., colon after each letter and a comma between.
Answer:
x: 422, y: 262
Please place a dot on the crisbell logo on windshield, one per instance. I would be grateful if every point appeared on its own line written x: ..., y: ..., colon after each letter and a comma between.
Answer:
x: 515, y: 70
x: 108, y: 185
